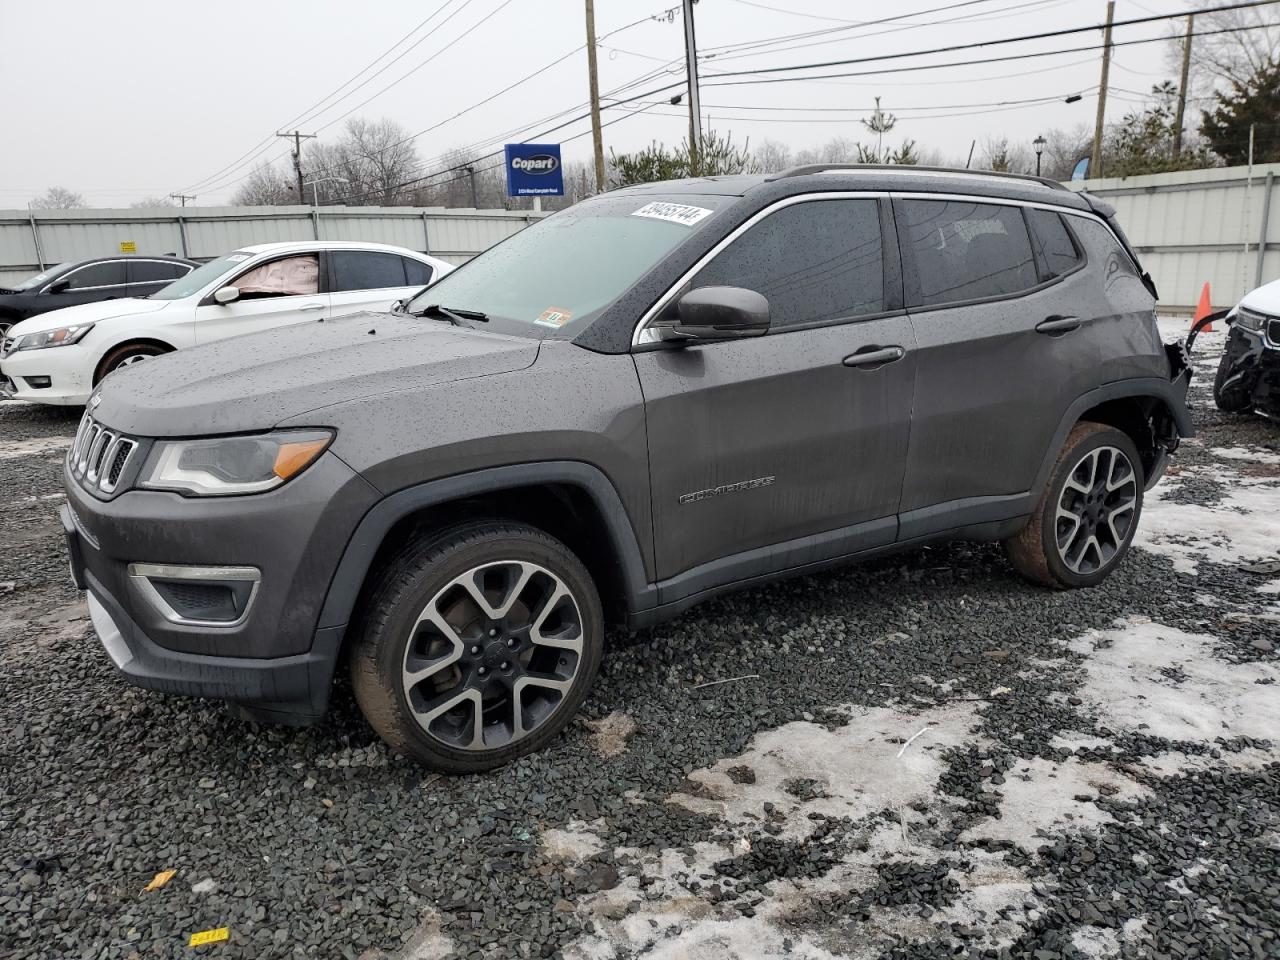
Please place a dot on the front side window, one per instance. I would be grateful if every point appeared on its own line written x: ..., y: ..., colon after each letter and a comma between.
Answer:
x: 366, y: 270
x: 815, y: 262
x: 109, y: 274
x: 286, y: 277
x: 1053, y: 242
x: 964, y: 250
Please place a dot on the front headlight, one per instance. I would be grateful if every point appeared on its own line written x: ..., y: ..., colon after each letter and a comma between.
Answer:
x: 61, y: 337
x: 221, y: 466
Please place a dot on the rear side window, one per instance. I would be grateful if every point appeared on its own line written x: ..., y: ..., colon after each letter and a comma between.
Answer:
x: 156, y: 271
x: 964, y: 250
x: 1053, y: 242
x: 416, y: 273
x: 109, y: 274
x: 815, y: 261
x: 363, y: 270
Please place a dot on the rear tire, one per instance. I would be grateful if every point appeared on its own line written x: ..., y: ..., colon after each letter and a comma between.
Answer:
x: 124, y: 356
x: 477, y: 645
x: 1085, y: 521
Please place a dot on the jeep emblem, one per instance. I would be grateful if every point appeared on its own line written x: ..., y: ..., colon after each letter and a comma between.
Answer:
x: 537, y: 165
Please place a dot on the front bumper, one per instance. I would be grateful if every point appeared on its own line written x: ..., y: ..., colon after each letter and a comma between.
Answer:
x: 274, y: 662
x: 68, y: 370
x: 1249, y: 374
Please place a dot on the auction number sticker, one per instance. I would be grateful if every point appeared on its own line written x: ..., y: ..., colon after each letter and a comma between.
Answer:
x: 553, y: 317
x: 673, y: 212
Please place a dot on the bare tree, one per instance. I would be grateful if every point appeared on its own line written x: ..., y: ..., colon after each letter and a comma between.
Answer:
x: 58, y: 198
x: 1063, y: 150
x: 265, y: 186
x: 1224, y: 58
x: 149, y: 202
x: 772, y: 156
x: 376, y: 159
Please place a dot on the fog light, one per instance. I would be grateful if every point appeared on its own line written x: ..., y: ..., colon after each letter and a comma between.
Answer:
x: 39, y: 383
x: 203, y: 596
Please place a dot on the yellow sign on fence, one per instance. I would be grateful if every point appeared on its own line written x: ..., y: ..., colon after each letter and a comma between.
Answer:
x: 128, y: 246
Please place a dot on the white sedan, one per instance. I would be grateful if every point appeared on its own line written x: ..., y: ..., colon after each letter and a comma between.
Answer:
x: 59, y: 357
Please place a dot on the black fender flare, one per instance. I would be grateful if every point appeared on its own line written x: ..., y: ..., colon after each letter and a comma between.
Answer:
x: 1169, y: 393
x: 348, y: 579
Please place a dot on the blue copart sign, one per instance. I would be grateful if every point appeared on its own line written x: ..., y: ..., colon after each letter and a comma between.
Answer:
x: 533, y: 170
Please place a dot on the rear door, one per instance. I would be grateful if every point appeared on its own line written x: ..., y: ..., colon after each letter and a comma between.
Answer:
x: 1003, y: 349
x: 145, y: 277
x: 274, y: 292
x: 371, y: 280
x: 789, y: 438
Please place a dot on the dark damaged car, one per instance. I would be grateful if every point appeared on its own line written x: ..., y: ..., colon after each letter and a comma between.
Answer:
x: 654, y: 397
x: 1248, y: 377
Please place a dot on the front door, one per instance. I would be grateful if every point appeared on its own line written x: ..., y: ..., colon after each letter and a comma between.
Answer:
x: 273, y: 293
x: 791, y: 440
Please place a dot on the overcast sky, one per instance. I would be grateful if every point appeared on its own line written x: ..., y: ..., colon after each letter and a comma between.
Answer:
x: 124, y: 100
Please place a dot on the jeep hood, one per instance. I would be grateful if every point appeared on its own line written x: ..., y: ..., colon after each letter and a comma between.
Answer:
x: 87, y: 313
x: 253, y: 382
x: 1266, y: 299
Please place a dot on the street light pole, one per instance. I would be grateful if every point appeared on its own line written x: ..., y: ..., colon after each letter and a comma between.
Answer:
x: 1038, y: 143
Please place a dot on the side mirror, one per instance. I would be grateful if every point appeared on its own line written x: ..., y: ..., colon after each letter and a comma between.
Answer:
x: 719, y: 313
x: 226, y: 295
x: 59, y: 286
x: 398, y: 306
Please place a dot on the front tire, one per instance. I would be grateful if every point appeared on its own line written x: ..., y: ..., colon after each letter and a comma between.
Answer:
x: 124, y: 356
x: 477, y: 645
x: 1085, y: 521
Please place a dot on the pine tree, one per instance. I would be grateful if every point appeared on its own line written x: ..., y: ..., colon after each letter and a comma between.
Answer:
x: 1255, y: 102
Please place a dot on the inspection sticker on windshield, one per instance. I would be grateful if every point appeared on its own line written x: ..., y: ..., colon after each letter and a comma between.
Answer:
x: 553, y: 317
x: 674, y: 212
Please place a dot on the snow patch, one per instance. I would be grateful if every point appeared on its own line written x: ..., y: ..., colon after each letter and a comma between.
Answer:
x: 1128, y: 684
x: 1041, y: 796
x: 1097, y: 942
x: 13, y: 449
x: 609, y: 734
x: 857, y: 769
x: 576, y: 842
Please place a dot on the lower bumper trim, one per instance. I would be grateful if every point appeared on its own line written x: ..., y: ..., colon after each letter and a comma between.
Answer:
x: 292, y: 690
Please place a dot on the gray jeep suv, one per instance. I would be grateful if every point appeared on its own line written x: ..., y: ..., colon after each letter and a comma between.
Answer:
x: 653, y: 397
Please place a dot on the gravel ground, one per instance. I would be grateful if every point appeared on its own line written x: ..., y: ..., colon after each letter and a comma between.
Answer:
x: 930, y: 758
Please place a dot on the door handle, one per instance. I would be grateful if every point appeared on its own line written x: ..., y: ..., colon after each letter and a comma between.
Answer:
x: 311, y: 306
x: 1058, y: 324
x: 874, y: 357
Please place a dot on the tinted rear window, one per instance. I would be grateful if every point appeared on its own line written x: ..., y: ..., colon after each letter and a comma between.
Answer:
x: 1053, y: 241
x: 156, y: 271
x: 964, y: 250
x: 417, y: 273
x: 364, y: 270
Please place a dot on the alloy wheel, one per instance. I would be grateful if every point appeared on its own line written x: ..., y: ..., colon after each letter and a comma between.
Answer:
x: 492, y: 655
x: 1096, y: 510
x: 130, y: 361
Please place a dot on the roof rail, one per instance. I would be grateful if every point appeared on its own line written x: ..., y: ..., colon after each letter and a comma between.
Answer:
x: 808, y: 168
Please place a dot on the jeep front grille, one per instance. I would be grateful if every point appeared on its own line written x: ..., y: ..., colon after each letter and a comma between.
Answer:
x: 98, y: 456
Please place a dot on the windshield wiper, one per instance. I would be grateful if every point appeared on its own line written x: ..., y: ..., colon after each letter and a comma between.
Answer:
x: 454, y: 315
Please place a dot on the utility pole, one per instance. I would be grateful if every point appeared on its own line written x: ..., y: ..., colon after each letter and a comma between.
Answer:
x: 182, y: 198
x: 1095, y: 165
x: 597, y: 142
x: 691, y: 68
x: 475, y: 201
x: 297, y: 156
x: 1182, y: 87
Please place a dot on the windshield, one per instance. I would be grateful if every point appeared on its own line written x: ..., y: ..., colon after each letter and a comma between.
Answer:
x: 40, y: 279
x: 201, y: 277
x: 562, y: 271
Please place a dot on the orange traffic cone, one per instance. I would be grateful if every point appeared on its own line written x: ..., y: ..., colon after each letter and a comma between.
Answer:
x: 1204, y: 309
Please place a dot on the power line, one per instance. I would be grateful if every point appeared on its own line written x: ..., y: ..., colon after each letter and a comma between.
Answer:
x: 1000, y: 41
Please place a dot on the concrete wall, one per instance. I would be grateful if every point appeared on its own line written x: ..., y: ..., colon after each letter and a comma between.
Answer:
x: 31, y: 240
x: 1200, y: 226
